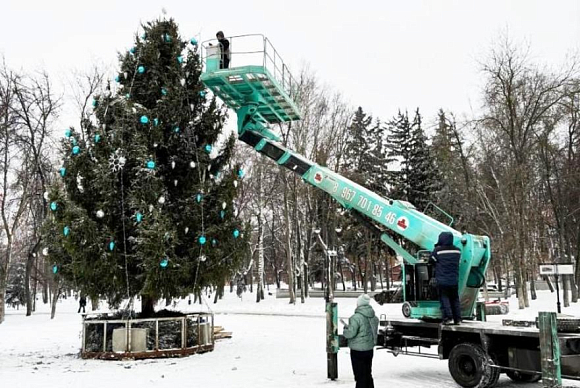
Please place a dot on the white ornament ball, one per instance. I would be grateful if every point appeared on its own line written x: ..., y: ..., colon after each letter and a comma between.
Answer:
x: 161, y: 200
x: 186, y: 230
x: 150, y: 208
x: 202, y: 258
x: 182, y: 81
x: 175, y: 182
x: 100, y: 213
x: 235, y: 183
x: 173, y: 164
x: 224, y: 205
x: 45, y: 251
x: 46, y: 195
x: 192, y: 164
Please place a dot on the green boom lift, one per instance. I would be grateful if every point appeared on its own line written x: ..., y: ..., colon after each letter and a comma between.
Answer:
x: 261, y: 90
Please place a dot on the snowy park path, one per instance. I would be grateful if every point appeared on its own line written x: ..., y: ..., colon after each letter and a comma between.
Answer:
x: 269, y: 348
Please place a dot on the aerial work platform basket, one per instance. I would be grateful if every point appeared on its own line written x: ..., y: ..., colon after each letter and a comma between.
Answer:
x: 256, y: 74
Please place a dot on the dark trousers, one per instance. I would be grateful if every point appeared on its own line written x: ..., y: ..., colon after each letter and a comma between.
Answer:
x: 362, y: 365
x: 82, y: 306
x: 450, y: 306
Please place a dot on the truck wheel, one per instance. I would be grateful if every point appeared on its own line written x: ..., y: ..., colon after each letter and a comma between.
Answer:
x: 494, y: 373
x: 523, y: 377
x: 568, y: 325
x: 470, y: 367
x: 406, y: 309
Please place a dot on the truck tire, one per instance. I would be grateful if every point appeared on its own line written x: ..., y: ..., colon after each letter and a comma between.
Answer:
x: 406, y: 309
x: 566, y: 325
x: 495, y: 373
x: 469, y: 366
x: 522, y: 377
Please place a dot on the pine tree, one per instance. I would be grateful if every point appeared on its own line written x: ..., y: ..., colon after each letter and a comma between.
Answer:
x: 146, y: 203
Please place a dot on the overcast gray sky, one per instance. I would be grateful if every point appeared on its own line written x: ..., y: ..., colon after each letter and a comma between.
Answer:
x: 382, y: 55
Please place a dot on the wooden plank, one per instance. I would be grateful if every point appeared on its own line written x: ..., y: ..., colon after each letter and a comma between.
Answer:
x: 550, y: 350
x: 223, y: 334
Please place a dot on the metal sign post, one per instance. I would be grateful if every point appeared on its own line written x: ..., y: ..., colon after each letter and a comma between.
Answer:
x: 555, y: 270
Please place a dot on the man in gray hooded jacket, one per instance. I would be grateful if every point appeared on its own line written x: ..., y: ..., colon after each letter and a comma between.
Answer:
x: 361, y: 332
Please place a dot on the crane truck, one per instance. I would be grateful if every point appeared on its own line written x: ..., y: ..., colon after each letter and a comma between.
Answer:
x: 261, y: 90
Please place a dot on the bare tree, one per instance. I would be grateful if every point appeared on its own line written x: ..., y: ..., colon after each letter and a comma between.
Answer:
x: 36, y: 109
x: 519, y: 97
x: 15, y: 181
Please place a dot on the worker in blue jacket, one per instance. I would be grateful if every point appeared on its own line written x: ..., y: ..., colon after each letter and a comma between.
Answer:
x: 446, y: 257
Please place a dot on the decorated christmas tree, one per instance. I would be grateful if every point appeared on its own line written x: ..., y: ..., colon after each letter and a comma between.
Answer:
x: 146, y: 202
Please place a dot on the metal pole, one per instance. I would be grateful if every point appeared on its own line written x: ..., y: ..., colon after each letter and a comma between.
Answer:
x: 558, y: 293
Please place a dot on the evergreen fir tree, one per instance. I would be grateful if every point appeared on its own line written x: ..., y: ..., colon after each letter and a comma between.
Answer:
x: 446, y: 149
x: 424, y: 180
x: 366, y: 160
x: 146, y: 205
x: 416, y: 180
x: 399, y: 150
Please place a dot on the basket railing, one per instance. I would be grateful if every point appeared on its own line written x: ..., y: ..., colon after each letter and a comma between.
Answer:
x: 255, y: 50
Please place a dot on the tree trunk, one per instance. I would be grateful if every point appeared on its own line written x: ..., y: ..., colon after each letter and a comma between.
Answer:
x: 2, y: 296
x: 94, y: 303
x: 288, y: 243
x: 566, y: 290
x: 148, y: 305
x: 574, y: 289
x: 45, y: 285
x: 55, y: 296
x: 27, y: 276
x: 533, y: 288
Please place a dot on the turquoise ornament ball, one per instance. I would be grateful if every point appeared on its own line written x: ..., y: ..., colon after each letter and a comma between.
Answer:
x: 144, y: 119
x: 193, y: 41
x: 66, y: 231
x: 151, y: 165
x: 156, y: 122
x: 139, y: 217
x: 141, y: 69
x: 180, y: 59
x: 97, y: 138
x: 117, y: 79
x: 241, y: 173
x: 111, y: 245
x: 76, y: 150
x: 54, y: 269
x: 164, y: 91
x: 222, y: 214
x: 62, y: 171
x: 164, y: 263
x: 53, y: 206
x: 202, y: 93
x: 202, y: 240
x: 236, y: 233
x: 68, y: 133
x: 208, y: 148
x: 133, y: 49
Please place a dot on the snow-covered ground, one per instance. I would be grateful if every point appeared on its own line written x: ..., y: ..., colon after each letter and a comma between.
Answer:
x: 274, y: 344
